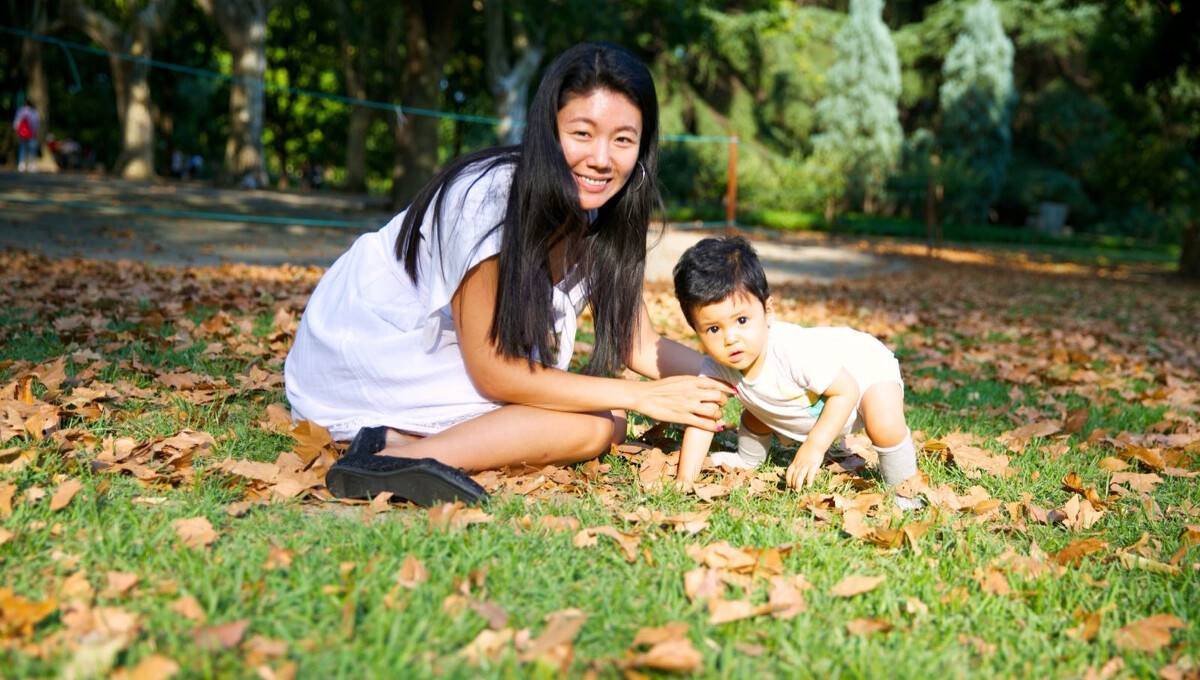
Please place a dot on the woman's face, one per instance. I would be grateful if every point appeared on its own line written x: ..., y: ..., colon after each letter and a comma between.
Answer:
x: 600, y: 134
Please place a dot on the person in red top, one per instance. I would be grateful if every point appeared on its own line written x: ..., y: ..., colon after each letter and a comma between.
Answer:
x: 26, y: 124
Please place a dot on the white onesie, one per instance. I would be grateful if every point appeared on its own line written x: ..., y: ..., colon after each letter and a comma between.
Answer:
x: 800, y: 364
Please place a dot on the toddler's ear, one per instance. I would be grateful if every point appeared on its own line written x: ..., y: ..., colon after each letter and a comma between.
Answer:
x: 769, y: 306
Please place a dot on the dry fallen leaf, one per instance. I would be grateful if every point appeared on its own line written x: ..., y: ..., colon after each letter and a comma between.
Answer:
x: 670, y: 650
x: 195, y: 532
x: 1077, y: 550
x: 856, y: 585
x: 627, y: 542
x: 412, y: 573
x: 119, y: 584
x: 223, y: 636
x: 64, y: 493
x: 1149, y: 634
x: 153, y: 667
x: 189, y: 608
x: 867, y: 626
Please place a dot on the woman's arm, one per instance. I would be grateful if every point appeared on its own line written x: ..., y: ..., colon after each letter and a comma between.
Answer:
x: 694, y: 401
x: 840, y: 399
x: 657, y: 357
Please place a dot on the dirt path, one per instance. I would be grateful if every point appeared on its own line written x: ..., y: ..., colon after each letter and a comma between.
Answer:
x: 180, y: 223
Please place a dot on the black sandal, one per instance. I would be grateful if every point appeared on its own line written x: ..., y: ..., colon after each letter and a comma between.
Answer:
x: 424, y: 481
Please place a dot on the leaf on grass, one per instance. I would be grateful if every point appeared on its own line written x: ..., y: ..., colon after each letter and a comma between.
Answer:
x: 1077, y: 550
x: 670, y: 650
x: 557, y: 637
x: 993, y: 581
x: 412, y: 573
x: 64, y: 493
x: 7, y: 490
x: 1142, y: 483
x: 856, y: 585
x: 19, y: 615
x: 1075, y: 421
x: 974, y: 461
x: 1089, y: 625
x: 1149, y: 634
x: 223, y: 636
x: 195, y: 532
x: 627, y: 542
x: 867, y: 626
x: 702, y: 583
x: 119, y: 583
x: 723, y: 611
x: 189, y: 608
x: 455, y: 516
x: 1147, y: 457
x: 1080, y: 514
x: 786, y: 596
x: 1132, y: 561
x: 1111, y: 464
x: 721, y: 555
x: 494, y: 614
x: 556, y: 523
x: 487, y: 646
x: 153, y: 667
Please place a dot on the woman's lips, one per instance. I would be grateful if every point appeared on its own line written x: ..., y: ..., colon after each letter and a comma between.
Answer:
x: 590, y: 185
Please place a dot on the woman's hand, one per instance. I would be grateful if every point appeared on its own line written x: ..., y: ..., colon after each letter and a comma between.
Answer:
x: 684, y: 399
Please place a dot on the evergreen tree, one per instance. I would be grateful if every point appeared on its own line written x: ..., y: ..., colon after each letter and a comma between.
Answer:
x: 977, y: 98
x: 860, y: 124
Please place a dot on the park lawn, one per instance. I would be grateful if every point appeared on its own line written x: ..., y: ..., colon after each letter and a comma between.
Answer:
x: 1058, y: 416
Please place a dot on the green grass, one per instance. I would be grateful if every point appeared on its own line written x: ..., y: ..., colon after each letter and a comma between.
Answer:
x: 340, y: 621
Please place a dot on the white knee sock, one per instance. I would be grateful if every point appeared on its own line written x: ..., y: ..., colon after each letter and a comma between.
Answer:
x: 897, y: 463
x: 753, y: 448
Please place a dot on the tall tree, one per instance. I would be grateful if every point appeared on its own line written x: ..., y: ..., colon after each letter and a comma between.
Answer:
x: 977, y: 98
x: 859, y: 119
x: 514, y: 51
x: 244, y: 25
x: 427, y: 28
x: 129, y: 40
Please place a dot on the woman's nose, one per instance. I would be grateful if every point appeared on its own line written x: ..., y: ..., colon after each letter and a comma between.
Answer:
x: 600, y: 157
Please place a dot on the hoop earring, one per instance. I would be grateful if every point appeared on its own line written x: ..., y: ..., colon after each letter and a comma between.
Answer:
x: 643, y: 177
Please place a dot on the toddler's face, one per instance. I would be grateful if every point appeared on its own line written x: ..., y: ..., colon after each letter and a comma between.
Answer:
x: 734, y: 331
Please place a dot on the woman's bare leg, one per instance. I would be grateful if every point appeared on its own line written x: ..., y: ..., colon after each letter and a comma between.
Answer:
x: 515, y: 435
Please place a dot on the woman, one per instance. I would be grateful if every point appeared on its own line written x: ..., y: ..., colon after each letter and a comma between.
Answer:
x: 443, y: 339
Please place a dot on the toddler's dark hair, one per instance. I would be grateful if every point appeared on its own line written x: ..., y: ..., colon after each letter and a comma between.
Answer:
x: 716, y: 268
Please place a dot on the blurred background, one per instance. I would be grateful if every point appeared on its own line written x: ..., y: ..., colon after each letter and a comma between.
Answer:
x: 1026, y: 121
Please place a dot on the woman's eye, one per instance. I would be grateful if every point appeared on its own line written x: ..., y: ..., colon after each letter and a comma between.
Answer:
x: 581, y: 134
x: 626, y: 140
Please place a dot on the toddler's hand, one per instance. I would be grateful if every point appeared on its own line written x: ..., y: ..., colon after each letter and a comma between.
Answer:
x: 804, y: 468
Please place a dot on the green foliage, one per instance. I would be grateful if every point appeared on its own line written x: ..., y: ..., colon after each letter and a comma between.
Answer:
x: 977, y: 97
x: 860, y: 124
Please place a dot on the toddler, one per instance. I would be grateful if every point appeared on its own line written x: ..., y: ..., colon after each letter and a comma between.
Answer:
x: 810, y: 385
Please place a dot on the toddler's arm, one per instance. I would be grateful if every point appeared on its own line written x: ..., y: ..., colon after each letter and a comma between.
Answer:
x: 691, y: 456
x: 840, y: 399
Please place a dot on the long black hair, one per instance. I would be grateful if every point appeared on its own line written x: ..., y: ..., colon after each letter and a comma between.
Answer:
x: 543, y: 208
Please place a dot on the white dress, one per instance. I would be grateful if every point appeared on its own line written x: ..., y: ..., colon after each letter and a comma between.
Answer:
x: 373, y: 348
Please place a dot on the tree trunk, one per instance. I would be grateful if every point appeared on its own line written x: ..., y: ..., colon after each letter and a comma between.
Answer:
x: 35, y: 78
x: 360, y: 117
x: 131, y: 84
x: 510, y: 82
x: 1189, y: 255
x: 244, y: 25
x: 428, y: 28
